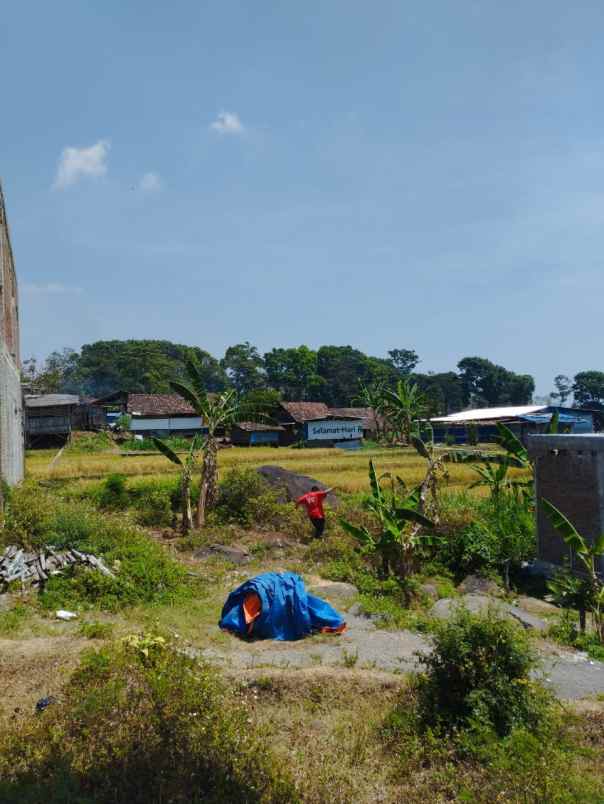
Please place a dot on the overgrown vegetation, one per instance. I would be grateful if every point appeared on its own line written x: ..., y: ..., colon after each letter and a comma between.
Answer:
x: 478, y: 673
x: 139, y: 722
x: 143, y: 571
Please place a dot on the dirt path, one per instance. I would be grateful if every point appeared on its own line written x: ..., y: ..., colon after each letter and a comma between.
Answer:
x: 571, y: 675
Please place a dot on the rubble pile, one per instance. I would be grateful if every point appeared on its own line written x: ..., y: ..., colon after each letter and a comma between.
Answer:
x: 35, y: 568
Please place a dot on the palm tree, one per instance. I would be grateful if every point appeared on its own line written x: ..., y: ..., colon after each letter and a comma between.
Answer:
x: 186, y: 474
x: 216, y: 411
x: 403, y: 407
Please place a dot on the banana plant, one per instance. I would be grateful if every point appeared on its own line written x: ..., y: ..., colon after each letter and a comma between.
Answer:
x: 495, y: 476
x: 187, y: 468
x: 216, y: 411
x: 395, y: 542
x: 589, y: 554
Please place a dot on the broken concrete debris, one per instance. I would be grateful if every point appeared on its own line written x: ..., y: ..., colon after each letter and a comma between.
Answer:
x: 35, y: 568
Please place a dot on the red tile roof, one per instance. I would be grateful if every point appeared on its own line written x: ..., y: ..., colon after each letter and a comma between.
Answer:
x: 306, y: 411
x: 158, y: 405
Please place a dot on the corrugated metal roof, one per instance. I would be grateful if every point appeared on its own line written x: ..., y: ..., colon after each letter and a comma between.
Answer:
x: 51, y: 400
x: 489, y: 414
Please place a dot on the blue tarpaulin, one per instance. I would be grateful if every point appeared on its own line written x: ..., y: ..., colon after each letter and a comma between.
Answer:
x: 287, y: 611
x: 544, y: 418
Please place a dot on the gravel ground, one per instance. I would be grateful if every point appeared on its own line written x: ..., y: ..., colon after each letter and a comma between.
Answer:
x: 571, y: 675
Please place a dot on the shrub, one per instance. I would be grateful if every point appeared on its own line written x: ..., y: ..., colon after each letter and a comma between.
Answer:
x: 140, y: 723
x: 478, y: 673
x: 154, y: 508
x: 113, y: 494
x: 29, y: 516
x: 501, y: 535
x: 96, y: 630
x: 12, y: 620
x: 245, y: 498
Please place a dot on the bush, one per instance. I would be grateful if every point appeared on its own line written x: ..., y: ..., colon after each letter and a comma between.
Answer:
x: 154, y: 508
x: 113, y: 494
x: 478, y: 673
x: 140, y: 723
x: 246, y: 499
x: 502, y: 531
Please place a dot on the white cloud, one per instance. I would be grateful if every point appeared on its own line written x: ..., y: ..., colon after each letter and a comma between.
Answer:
x: 76, y: 163
x: 150, y: 183
x: 50, y: 289
x: 227, y: 123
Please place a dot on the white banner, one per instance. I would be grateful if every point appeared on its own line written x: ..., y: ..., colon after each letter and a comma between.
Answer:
x: 333, y: 430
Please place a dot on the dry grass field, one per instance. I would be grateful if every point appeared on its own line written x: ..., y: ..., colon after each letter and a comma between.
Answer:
x: 335, y: 467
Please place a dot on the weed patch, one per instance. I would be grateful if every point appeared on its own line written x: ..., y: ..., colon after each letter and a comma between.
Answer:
x: 143, y: 571
x: 139, y: 723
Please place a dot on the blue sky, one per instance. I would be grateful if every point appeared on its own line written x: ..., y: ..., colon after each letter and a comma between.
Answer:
x: 389, y: 174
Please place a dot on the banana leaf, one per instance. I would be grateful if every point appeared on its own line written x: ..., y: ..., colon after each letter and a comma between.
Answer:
x: 565, y: 528
x: 167, y: 451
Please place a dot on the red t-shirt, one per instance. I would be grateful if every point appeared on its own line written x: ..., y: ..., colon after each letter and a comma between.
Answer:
x: 313, y: 502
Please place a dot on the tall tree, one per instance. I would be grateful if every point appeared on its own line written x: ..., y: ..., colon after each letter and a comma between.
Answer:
x: 404, y: 360
x: 564, y: 388
x: 588, y: 389
x: 141, y: 366
x: 244, y: 367
x: 294, y: 373
x: 57, y: 373
x: 443, y: 392
x: 343, y: 370
x: 486, y: 384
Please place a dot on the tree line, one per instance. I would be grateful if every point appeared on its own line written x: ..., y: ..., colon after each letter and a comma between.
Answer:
x: 335, y: 375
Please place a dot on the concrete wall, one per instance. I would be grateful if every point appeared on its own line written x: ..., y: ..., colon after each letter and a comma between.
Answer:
x: 569, y: 473
x: 11, y: 400
x: 11, y: 420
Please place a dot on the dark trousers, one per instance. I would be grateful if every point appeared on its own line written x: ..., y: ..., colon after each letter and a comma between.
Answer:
x: 319, y: 525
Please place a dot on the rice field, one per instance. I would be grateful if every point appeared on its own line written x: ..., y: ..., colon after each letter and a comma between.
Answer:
x: 335, y: 467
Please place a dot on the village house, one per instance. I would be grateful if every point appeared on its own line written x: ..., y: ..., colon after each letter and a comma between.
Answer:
x: 153, y: 414
x: 523, y: 420
x: 315, y: 425
x: 52, y: 418
x: 254, y: 434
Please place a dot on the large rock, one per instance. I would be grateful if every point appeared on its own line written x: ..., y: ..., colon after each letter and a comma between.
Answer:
x: 476, y: 604
x: 337, y: 591
x: 477, y: 585
x: 480, y: 604
x: 232, y: 553
x: 291, y: 484
x: 527, y: 620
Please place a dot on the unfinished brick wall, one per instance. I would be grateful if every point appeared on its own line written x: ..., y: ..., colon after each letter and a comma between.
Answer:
x: 11, y: 404
x: 569, y: 472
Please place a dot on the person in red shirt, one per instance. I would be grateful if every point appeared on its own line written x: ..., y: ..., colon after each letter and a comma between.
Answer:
x: 313, y: 502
